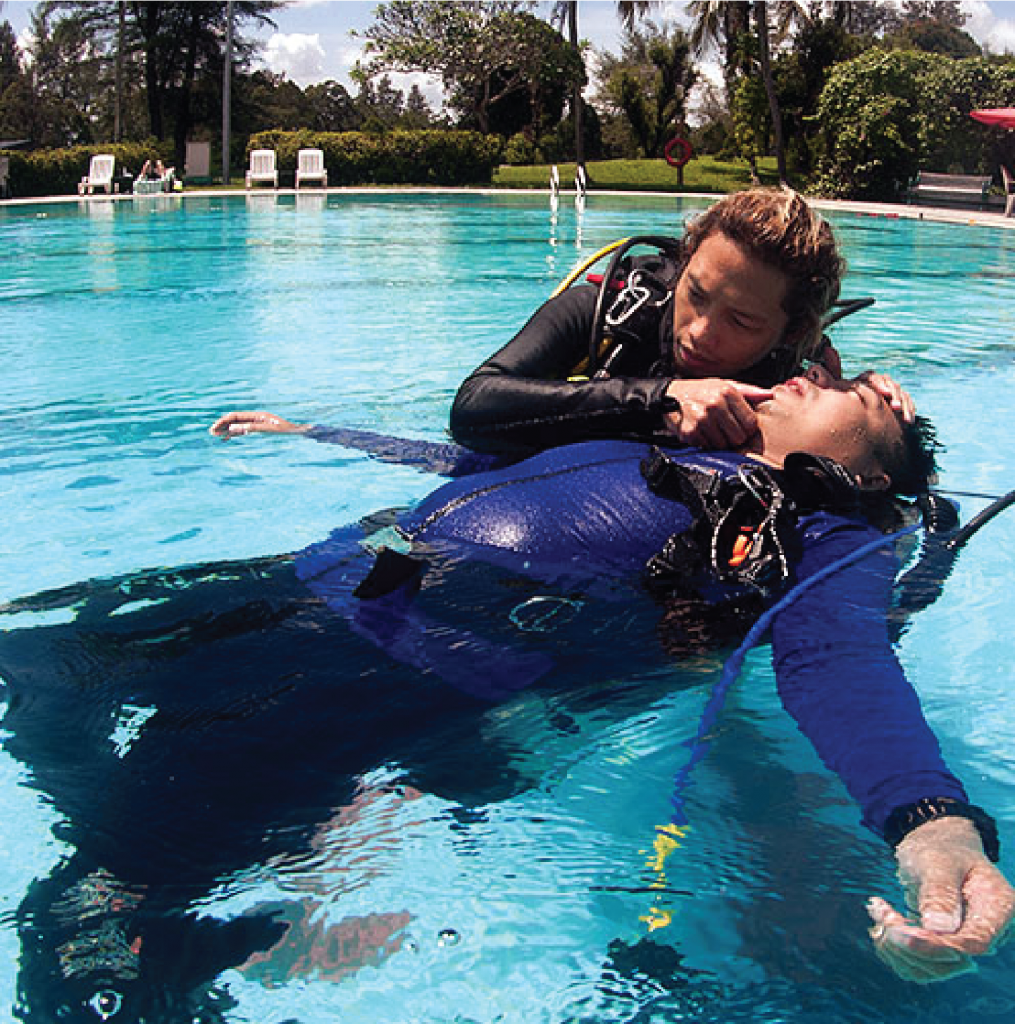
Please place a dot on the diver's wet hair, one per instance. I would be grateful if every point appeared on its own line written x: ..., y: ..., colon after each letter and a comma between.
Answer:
x: 912, y: 464
x: 777, y: 226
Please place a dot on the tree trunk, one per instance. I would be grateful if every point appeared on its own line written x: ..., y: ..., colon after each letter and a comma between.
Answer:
x: 118, y: 98
x: 765, y: 60
x: 182, y: 126
x: 227, y: 94
x: 148, y: 14
x: 576, y: 98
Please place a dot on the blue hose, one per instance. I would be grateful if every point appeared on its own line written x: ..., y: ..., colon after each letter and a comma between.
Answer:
x: 731, y: 670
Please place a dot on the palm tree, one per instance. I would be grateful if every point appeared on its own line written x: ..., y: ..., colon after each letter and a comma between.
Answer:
x: 760, y: 11
x: 565, y: 12
x: 720, y: 24
x: 629, y: 11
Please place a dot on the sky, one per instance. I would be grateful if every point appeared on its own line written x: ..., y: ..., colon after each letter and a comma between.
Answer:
x: 312, y: 42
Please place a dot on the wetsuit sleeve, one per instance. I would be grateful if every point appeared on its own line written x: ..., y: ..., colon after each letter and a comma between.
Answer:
x: 520, y: 399
x: 429, y: 456
x: 838, y: 676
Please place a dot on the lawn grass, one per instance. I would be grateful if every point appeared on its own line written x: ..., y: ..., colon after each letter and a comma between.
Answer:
x: 701, y: 174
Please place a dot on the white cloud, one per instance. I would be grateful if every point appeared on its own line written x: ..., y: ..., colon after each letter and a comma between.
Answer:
x: 298, y: 56
x: 995, y: 34
x: 429, y: 85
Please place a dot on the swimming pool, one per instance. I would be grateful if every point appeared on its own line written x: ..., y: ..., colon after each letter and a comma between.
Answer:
x: 128, y: 326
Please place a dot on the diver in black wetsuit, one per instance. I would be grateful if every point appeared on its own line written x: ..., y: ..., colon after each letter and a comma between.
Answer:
x: 316, y: 669
x: 697, y: 336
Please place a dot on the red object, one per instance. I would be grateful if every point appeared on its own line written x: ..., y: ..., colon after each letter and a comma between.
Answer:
x: 999, y: 117
x: 685, y: 151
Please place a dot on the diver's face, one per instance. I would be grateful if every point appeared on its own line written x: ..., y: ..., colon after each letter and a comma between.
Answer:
x: 727, y: 310
x: 845, y: 420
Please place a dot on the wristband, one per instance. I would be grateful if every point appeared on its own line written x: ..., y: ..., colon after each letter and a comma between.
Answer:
x: 909, y: 817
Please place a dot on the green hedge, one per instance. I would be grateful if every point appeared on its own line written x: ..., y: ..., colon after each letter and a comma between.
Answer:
x: 54, y: 172
x: 427, y: 157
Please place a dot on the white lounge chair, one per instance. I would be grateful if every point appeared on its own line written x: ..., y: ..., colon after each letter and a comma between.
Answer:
x: 262, y: 167
x: 100, y: 175
x: 310, y: 167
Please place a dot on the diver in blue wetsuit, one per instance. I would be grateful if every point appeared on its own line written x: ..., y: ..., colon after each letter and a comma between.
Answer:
x: 585, y: 513
x: 357, y: 649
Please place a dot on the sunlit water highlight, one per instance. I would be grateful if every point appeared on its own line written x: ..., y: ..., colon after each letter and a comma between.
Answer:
x: 127, y: 327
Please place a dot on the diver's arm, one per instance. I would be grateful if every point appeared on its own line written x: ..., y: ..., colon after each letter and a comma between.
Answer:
x: 839, y: 677
x: 430, y: 456
x: 521, y: 399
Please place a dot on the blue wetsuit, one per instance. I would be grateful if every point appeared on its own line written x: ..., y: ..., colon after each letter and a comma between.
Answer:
x: 581, y: 517
x: 188, y: 723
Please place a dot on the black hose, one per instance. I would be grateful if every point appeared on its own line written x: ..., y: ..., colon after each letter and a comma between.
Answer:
x: 959, y: 539
x: 664, y: 243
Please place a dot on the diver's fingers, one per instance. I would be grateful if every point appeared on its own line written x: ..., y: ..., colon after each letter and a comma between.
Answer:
x: 831, y: 361
x: 893, y: 393
x: 912, y: 952
x: 247, y: 421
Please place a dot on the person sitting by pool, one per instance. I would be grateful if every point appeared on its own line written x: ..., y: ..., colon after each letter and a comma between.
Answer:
x: 153, y: 170
x: 156, y: 177
x: 737, y: 308
x: 965, y: 904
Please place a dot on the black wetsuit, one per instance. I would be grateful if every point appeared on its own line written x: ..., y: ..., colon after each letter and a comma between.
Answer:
x: 521, y: 399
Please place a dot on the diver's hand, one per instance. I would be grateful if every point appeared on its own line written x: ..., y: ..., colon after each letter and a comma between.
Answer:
x: 714, y: 413
x: 964, y: 904
x: 892, y: 392
x: 235, y: 424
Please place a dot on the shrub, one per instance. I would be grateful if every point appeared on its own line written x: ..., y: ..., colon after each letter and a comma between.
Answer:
x: 521, y: 151
x: 54, y: 172
x: 868, y: 140
x: 889, y: 113
x: 425, y: 157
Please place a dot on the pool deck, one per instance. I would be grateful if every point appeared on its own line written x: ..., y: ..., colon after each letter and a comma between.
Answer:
x: 894, y: 211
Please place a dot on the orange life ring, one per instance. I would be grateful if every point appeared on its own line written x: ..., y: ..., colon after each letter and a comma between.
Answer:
x: 685, y: 151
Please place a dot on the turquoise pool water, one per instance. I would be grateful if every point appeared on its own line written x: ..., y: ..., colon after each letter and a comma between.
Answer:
x: 127, y: 327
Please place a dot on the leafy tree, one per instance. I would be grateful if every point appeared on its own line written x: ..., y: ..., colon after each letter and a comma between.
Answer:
x: 331, y: 107
x: 800, y: 74
x: 932, y: 36
x: 379, y: 105
x: 881, y: 20
x: 265, y: 100
x: 649, y: 83
x: 868, y: 134
x: 947, y: 12
x: 417, y: 113
x: 68, y: 83
x: 888, y: 113
x: 17, y: 101
x: 486, y: 55
x: 173, y: 44
x: 10, y: 56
